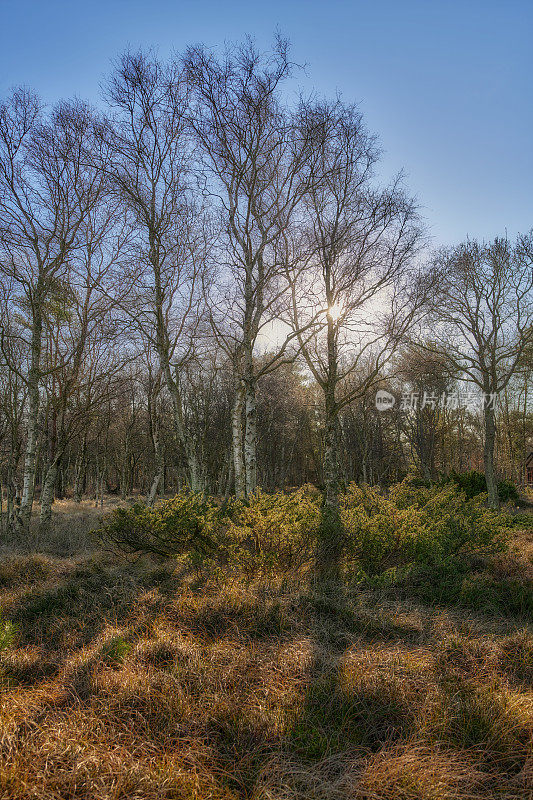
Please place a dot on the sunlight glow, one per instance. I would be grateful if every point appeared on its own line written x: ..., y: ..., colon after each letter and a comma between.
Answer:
x: 335, y: 311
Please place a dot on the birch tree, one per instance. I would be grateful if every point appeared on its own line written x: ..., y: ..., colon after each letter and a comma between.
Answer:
x: 357, y: 268
x: 152, y: 169
x: 255, y: 168
x: 48, y: 186
x: 484, y: 318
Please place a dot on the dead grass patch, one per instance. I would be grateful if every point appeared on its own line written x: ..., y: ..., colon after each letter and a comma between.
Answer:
x: 129, y: 682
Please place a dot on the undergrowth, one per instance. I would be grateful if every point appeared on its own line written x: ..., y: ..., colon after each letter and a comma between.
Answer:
x: 229, y: 672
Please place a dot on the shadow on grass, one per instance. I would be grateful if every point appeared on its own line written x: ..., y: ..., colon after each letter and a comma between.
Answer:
x: 194, y: 685
x: 330, y: 716
x: 339, y: 715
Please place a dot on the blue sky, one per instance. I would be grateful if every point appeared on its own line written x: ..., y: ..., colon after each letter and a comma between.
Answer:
x: 446, y: 85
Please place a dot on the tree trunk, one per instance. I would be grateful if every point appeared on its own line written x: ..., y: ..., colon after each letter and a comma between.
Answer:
x: 250, y: 439
x: 152, y: 494
x: 237, y: 441
x: 9, y: 506
x: 30, y: 459
x: 488, y: 455
x: 34, y: 399
x: 80, y: 473
x: 194, y: 472
x: 331, y: 454
x: 47, y: 492
x: 158, y: 477
x: 11, y: 491
x: 330, y: 532
x: 194, y: 469
x: 330, y: 536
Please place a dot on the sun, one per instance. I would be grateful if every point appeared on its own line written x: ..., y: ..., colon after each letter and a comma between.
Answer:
x: 335, y: 311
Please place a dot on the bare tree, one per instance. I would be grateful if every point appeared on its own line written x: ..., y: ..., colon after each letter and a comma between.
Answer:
x: 152, y: 168
x: 484, y: 311
x: 426, y: 374
x: 83, y: 353
x: 256, y: 170
x: 356, y: 267
x: 48, y: 186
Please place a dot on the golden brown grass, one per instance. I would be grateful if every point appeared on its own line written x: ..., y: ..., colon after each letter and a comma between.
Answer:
x: 129, y: 680
x: 70, y: 532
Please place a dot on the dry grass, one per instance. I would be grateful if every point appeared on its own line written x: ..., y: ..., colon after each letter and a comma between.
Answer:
x: 129, y: 680
x: 70, y: 532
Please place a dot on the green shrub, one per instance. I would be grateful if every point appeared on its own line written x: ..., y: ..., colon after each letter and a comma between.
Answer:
x: 185, y: 522
x: 507, y: 491
x: 273, y: 532
x: 416, y: 525
x: 378, y: 534
x: 474, y: 483
x: 521, y: 520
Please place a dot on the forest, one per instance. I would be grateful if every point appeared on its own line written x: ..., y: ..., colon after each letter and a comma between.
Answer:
x: 265, y: 454
x: 204, y: 286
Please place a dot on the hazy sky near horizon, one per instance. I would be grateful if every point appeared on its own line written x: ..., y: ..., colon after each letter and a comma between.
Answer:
x: 445, y: 85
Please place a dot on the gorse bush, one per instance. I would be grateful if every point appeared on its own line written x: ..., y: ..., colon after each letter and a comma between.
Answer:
x: 507, y: 491
x: 278, y: 533
x: 270, y: 532
x: 415, y: 524
x: 474, y: 483
x: 184, y: 523
x: 273, y: 532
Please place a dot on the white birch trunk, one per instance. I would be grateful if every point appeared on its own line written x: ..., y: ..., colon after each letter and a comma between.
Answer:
x: 158, y: 477
x: 30, y: 458
x: 34, y: 376
x: 250, y: 439
x: 237, y: 442
x: 488, y: 454
x: 47, y: 492
x: 194, y: 472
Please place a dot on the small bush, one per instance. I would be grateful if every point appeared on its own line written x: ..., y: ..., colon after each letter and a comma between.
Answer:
x: 273, y: 532
x: 474, y: 483
x: 507, y: 491
x: 185, y: 522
